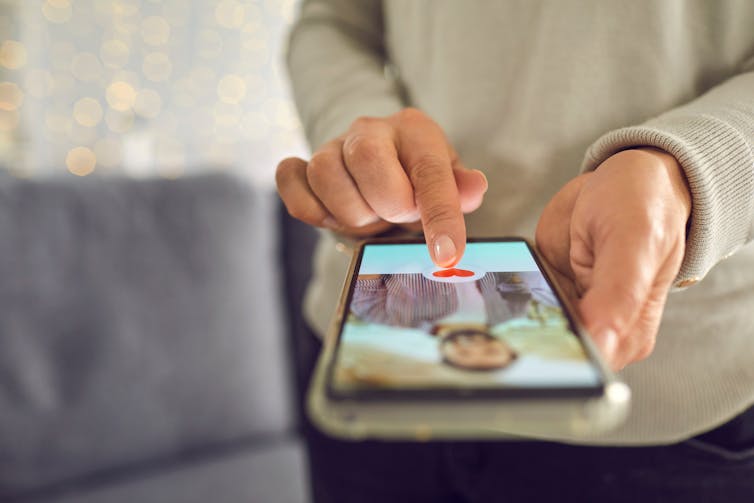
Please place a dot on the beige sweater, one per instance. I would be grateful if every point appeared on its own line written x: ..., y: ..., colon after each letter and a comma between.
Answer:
x: 530, y: 92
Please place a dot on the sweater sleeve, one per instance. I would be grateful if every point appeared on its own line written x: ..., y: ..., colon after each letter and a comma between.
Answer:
x: 337, y: 63
x: 712, y: 137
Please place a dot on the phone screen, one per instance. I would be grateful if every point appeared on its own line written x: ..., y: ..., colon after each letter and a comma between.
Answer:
x: 490, y: 326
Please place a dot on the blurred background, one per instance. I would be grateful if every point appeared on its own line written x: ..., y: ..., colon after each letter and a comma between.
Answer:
x: 145, y: 87
x: 145, y: 305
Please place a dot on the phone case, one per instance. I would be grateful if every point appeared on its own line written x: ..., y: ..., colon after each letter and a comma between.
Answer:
x: 551, y: 418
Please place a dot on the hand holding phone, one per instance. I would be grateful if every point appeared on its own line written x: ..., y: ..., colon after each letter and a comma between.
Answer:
x: 617, y: 237
x: 487, y: 348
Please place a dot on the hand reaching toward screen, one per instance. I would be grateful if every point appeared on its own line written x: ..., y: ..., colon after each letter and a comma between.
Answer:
x: 382, y: 172
x: 616, y: 237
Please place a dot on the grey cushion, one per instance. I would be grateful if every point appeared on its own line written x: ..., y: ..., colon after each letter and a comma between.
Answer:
x: 270, y: 474
x: 138, y: 320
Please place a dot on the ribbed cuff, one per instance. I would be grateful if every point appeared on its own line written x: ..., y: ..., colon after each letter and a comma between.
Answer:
x: 719, y: 166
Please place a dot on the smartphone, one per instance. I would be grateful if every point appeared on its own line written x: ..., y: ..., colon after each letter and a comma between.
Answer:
x: 490, y: 348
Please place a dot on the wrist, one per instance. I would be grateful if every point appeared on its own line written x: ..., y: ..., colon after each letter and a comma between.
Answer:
x: 676, y: 177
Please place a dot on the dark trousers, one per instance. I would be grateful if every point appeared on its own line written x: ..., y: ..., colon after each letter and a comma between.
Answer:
x: 717, y: 466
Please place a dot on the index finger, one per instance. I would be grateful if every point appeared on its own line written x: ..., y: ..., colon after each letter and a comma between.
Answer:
x: 423, y: 152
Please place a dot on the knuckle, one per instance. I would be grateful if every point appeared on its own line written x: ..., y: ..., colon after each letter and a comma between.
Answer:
x: 302, y: 212
x: 400, y: 207
x: 350, y: 220
x: 360, y: 219
x: 364, y: 122
x: 656, y: 232
x: 362, y: 149
x: 411, y: 114
x: 653, y: 230
x: 396, y: 213
x: 438, y: 215
x: 295, y: 211
x: 632, y: 302
x: 286, y: 170
x: 320, y: 167
x: 630, y: 297
x: 427, y: 170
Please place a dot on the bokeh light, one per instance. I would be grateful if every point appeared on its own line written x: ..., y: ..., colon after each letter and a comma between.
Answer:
x: 114, y: 53
x: 120, y: 95
x: 8, y: 120
x: 230, y: 14
x: 131, y: 78
x: 282, y: 113
x: 140, y: 87
x: 12, y: 54
x: 57, y: 11
x: 11, y: 96
x: 126, y: 8
x: 155, y: 30
x: 87, y: 112
x: 231, y: 89
x: 80, y: 161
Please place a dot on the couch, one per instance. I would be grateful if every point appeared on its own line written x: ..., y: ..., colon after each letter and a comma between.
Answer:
x: 145, y: 348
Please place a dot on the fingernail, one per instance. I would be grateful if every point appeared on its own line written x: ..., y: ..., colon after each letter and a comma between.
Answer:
x: 607, y: 341
x: 445, y: 251
x: 484, y: 177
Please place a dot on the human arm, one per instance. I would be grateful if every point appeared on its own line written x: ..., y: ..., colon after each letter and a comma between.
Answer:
x: 618, y: 233
x: 376, y: 163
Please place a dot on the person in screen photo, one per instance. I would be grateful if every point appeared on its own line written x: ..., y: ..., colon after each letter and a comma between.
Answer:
x: 460, y: 315
x: 475, y: 349
x: 411, y: 300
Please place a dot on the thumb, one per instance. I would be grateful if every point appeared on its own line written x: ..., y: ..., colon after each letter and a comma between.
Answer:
x: 621, y: 280
x: 472, y: 185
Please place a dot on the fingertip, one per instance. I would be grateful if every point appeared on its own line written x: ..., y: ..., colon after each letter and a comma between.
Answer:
x: 607, y: 341
x: 485, y: 182
x: 470, y: 180
x: 603, y: 321
x: 444, y: 251
x: 472, y: 185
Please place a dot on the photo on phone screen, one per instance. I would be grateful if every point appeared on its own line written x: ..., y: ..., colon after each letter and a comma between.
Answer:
x: 492, y: 325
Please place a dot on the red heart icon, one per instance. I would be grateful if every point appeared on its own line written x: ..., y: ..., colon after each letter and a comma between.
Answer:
x: 447, y: 273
